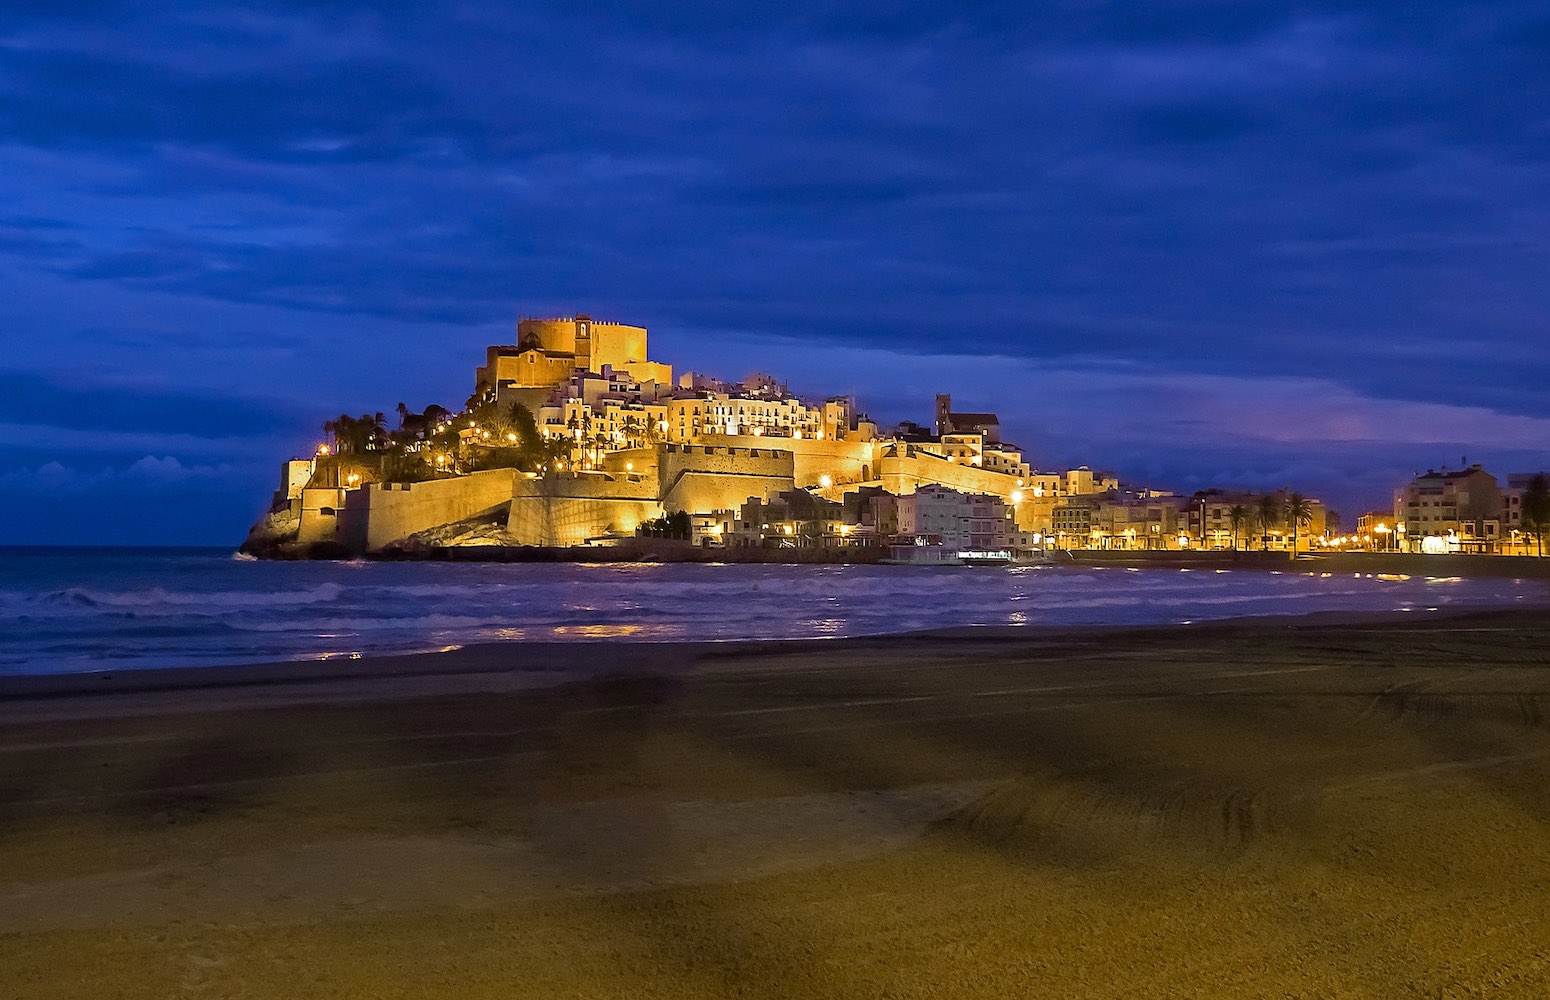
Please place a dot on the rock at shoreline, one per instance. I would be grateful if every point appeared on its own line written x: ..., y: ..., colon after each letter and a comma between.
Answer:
x: 274, y: 535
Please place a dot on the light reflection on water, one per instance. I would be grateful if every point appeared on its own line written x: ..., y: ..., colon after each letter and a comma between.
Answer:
x: 97, y: 611
x: 604, y: 630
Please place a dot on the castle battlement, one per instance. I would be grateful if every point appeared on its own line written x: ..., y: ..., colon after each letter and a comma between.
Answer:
x: 581, y: 317
x: 728, y: 450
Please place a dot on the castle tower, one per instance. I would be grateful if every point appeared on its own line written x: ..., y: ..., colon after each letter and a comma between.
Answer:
x: 944, y: 414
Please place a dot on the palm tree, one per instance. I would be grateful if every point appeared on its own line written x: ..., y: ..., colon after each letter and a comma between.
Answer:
x: 1299, y: 514
x: 1239, y: 516
x: 634, y: 430
x: 345, y: 431
x: 1268, y: 514
x: 376, y: 430
x: 1536, y: 509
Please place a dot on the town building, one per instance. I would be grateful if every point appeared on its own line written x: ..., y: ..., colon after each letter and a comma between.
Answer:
x: 948, y: 422
x: 1457, y: 511
x: 936, y: 515
x: 793, y: 519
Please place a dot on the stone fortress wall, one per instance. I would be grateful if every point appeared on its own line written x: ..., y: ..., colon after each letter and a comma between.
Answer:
x: 384, y: 512
x: 564, y: 509
x: 812, y: 459
x: 705, y: 478
x: 911, y: 467
x: 571, y: 509
x: 594, y: 343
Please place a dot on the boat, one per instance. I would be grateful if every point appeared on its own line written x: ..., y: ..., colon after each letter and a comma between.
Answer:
x: 985, y: 557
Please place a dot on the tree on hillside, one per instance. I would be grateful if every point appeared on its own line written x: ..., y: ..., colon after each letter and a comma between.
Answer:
x: 356, y: 435
x: 634, y: 431
x: 1299, y: 514
x: 534, y: 451
x: 601, y: 443
x: 1267, y: 513
x: 1239, y: 517
x: 1536, y: 509
x: 376, y: 431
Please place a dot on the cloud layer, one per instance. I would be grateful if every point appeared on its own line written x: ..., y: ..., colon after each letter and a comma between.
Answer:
x: 1321, y: 225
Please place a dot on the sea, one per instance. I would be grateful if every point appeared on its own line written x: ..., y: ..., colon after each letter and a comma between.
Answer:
x: 79, y: 610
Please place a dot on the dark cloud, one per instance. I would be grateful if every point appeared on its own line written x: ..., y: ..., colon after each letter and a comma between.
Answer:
x: 1338, y: 190
x: 32, y: 401
x: 1194, y: 124
x: 355, y: 110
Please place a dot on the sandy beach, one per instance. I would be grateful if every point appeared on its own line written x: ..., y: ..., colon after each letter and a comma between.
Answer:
x: 1320, y: 808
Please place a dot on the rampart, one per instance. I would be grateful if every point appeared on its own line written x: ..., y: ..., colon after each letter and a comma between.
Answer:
x: 561, y: 510
x: 902, y: 475
x: 320, y: 514
x: 704, y: 478
x: 842, y: 461
x: 380, y: 513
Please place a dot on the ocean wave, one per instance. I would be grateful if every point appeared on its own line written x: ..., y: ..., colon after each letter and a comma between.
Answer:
x: 158, y: 597
x: 213, y: 609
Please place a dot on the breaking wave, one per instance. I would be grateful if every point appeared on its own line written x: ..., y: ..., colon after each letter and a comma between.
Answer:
x: 77, y: 610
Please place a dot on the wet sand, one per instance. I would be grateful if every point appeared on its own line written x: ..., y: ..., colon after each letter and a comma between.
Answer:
x: 1269, y: 808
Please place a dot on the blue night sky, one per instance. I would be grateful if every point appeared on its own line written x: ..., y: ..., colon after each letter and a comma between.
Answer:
x: 1232, y: 243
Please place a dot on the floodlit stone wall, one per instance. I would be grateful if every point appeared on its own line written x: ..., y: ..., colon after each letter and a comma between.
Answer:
x: 704, y: 478
x: 551, y: 334
x: 525, y: 370
x: 380, y: 513
x: 617, y: 345
x: 571, y: 509
x: 902, y: 475
x: 319, y: 515
x: 811, y: 459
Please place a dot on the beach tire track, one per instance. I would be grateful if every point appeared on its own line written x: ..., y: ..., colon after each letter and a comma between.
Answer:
x: 1087, y: 815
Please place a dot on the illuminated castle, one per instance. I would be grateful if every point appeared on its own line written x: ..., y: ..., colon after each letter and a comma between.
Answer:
x: 630, y: 444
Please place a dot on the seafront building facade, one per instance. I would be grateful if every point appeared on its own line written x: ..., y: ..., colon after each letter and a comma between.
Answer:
x: 1465, y: 511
